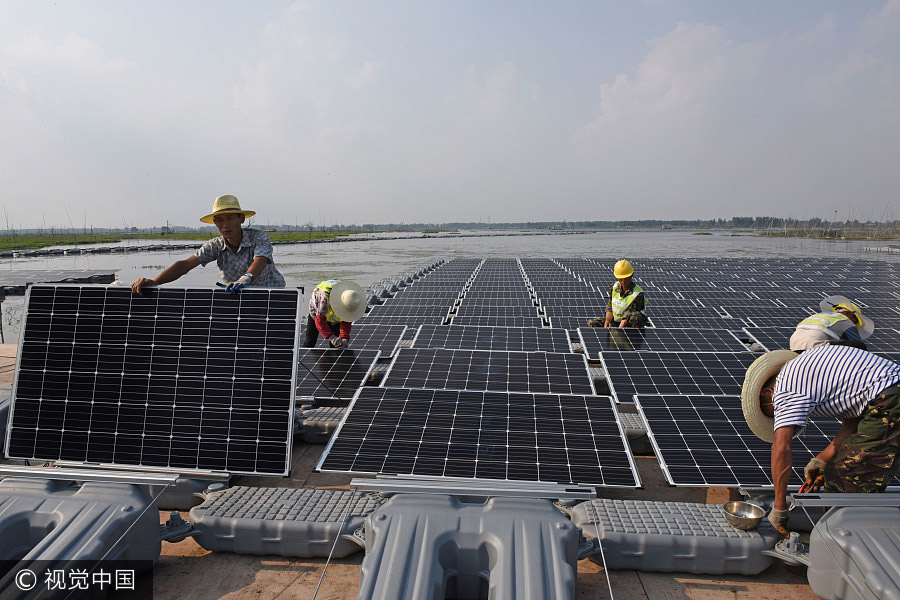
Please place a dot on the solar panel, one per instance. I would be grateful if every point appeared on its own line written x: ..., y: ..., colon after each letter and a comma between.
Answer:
x: 797, y: 313
x: 533, y: 372
x: 570, y: 323
x: 773, y: 321
x: 705, y: 441
x: 531, y: 339
x: 706, y: 373
x: 772, y: 338
x: 567, y: 439
x: 384, y: 338
x: 678, y: 312
x: 598, y: 339
x: 413, y: 322
x: 696, y: 322
x: 175, y: 378
x: 477, y: 310
x: 333, y: 373
x: 407, y: 310
x: 504, y: 300
x: 499, y: 321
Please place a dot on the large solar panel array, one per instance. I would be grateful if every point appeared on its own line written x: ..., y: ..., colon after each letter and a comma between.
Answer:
x: 482, y: 435
x: 173, y: 378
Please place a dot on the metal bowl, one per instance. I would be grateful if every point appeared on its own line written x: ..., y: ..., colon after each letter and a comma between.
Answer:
x: 743, y: 515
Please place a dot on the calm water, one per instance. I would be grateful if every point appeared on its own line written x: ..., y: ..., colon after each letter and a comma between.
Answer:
x: 368, y: 261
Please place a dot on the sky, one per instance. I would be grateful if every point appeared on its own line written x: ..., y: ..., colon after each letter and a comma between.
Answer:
x: 133, y: 113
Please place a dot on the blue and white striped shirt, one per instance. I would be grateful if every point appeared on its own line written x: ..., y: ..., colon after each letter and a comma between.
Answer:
x: 834, y: 381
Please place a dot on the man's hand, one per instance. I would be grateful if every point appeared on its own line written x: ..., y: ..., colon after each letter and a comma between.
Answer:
x: 814, y: 473
x: 235, y: 286
x: 778, y: 519
x: 624, y: 323
x: 338, y: 342
x: 609, y: 318
x: 141, y: 283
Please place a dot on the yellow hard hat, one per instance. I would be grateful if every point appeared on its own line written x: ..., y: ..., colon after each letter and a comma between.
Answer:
x: 834, y: 303
x: 623, y: 269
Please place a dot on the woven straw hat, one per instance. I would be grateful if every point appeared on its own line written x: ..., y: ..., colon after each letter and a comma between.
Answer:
x: 758, y: 373
x: 866, y: 326
x: 226, y: 204
x: 347, y: 300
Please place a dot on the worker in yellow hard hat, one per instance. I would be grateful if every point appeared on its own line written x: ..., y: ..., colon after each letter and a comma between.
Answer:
x: 839, y: 322
x: 626, y: 301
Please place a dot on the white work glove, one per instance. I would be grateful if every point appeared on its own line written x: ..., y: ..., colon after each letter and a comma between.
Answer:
x: 813, y: 471
x: 337, y: 342
x: 242, y: 282
x: 778, y: 519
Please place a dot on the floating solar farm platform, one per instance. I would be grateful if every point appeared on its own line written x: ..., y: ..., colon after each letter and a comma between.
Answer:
x: 173, y: 378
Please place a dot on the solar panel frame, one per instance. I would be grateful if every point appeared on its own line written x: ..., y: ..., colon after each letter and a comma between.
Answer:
x: 163, y: 366
x: 486, y: 437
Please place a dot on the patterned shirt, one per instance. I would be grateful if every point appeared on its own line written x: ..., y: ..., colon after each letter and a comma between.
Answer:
x: 232, y: 265
x: 833, y: 381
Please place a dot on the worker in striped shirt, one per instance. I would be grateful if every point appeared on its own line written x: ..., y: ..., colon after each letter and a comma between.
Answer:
x: 781, y: 391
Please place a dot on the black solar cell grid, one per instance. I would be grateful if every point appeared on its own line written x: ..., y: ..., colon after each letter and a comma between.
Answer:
x: 709, y: 373
x: 482, y: 435
x: 503, y: 300
x: 498, y: 321
x: 749, y: 312
x: 705, y: 441
x: 598, y: 339
x: 582, y: 310
x: 531, y: 339
x: 695, y: 312
x: 772, y: 321
x: 175, y: 378
x: 571, y: 323
x: 330, y: 373
x: 534, y: 372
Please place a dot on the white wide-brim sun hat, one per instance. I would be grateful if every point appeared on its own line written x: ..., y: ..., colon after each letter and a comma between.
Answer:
x: 758, y: 373
x: 347, y: 300
x: 866, y: 327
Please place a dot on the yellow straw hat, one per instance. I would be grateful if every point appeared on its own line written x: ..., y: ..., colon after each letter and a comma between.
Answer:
x: 758, y: 373
x: 226, y: 204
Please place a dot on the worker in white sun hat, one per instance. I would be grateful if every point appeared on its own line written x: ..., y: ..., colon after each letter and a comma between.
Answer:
x: 840, y: 322
x: 333, y: 306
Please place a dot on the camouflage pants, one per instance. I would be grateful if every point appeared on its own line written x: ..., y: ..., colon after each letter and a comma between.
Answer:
x: 869, y: 458
x: 635, y: 320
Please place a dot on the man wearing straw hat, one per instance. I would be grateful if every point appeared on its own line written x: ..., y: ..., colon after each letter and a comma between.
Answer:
x: 333, y: 306
x: 840, y: 322
x: 244, y: 256
x: 782, y: 389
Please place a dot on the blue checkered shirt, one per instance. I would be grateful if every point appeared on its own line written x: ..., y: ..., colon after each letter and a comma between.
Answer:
x: 232, y: 265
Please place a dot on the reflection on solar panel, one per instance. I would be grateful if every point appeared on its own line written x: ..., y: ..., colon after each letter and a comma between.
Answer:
x: 598, y: 339
x: 499, y: 321
x: 531, y: 339
x: 482, y: 435
x: 333, y: 373
x: 179, y: 378
x: 707, y: 373
x: 534, y: 372
x: 704, y: 440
